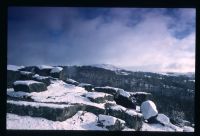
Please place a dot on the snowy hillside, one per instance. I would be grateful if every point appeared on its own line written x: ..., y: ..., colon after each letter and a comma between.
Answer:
x: 40, y: 98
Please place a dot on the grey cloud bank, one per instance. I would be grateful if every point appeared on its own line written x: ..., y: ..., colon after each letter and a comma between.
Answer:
x: 138, y: 39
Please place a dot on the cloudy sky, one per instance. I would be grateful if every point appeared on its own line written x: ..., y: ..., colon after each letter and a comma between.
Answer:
x: 142, y: 39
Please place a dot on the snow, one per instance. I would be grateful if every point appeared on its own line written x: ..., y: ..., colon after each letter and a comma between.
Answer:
x: 44, y: 67
x: 37, y: 104
x: 84, y: 84
x: 118, y: 108
x: 80, y: 121
x: 95, y: 95
x: 188, y: 129
x: 138, y: 108
x: 134, y: 93
x: 108, y: 120
x: 56, y: 70
x: 19, y: 94
x: 132, y: 112
x: 60, y: 92
x: 148, y: 109
x: 163, y: 119
x: 25, y: 72
x: 38, y: 77
x: 124, y: 93
x: 25, y: 82
x: 155, y: 127
x: 14, y: 67
x: 71, y: 80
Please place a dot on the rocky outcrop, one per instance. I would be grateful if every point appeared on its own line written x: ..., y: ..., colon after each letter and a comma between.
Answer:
x: 29, y: 86
x: 57, y: 72
x: 43, y: 79
x: 131, y: 117
x: 141, y: 96
x: 110, y: 122
x: 12, y: 76
x: 98, y: 97
x: 25, y: 75
x: 53, y: 112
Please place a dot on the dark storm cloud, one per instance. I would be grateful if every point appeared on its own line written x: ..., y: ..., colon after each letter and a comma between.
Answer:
x: 120, y: 36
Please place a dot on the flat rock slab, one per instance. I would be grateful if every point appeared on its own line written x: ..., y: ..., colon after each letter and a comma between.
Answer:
x: 29, y: 86
x: 99, y: 97
x: 71, y: 81
x: 26, y: 75
x: 55, y: 112
x: 44, y: 79
x: 141, y: 97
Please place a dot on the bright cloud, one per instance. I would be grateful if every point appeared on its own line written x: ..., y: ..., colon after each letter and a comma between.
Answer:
x: 137, y: 39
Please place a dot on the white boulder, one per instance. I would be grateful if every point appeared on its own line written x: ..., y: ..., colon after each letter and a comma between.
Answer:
x: 163, y: 119
x: 148, y: 109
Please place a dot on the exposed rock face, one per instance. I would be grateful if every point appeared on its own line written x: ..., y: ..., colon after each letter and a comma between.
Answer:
x: 107, y: 89
x: 53, y: 112
x: 111, y: 123
x: 12, y: 76
x: 99, y: 97
x: 29, y: 86
x: 43, y: 79
x: 141, y: 96
x: 25, y: 75
x: 87, y: 87
x: 148, y: 109
x: 57, y: 72
x: 132, y: 118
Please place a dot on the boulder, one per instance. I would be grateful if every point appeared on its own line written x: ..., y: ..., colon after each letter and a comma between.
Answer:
x: 107, y: 89
x: 12, y: 76
x: 43, y: 79
x: 188, y: 129
x: 163, y: 119
x: 99, y: 97
x: 55, y: 112
x: 131, y: 117
x: 29, y: 86
x: 43, y: 70
x: 29, y: 69
x: 57, y: 72
x: 123, y: 98
x: 110, y: 122
x: 87, y: 87
x: 25, y: 75
x: 141, y: 97
x: 71, y: 81
x: 148, y: 109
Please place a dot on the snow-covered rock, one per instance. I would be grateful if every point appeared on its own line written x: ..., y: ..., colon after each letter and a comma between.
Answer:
x: 29, y: 86
x: 110, y: 122
x: 71, y: 81
x: 41, y: 67
x: 25, y: 75
x: 188, y: 129
x: 148, y: 109
x: 163, y: 119
x: 99, y: 97
x: 132, y: 117
x: 56, y: 69
x: 87, y: 87
x: 43, y: 79
x: 56, y: 112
